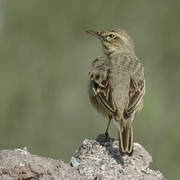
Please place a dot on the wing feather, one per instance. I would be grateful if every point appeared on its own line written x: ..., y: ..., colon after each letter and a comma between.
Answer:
x: 136, y: 93
x: 100, y: 89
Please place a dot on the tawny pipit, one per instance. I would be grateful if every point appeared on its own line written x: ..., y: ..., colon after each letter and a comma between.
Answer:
x: 117, y: 84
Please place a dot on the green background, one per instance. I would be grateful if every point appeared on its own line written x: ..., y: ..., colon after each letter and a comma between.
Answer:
x: 44, y: 60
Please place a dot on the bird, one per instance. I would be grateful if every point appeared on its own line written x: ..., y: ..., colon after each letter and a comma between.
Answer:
x: 117, y: 84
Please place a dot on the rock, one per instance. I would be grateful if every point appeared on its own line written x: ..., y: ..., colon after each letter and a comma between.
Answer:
x: 19, y: 164
x: 95, y: 160
x: 101, y: 160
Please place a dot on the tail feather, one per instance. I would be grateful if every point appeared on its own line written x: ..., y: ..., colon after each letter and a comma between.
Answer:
x: 126, y: 137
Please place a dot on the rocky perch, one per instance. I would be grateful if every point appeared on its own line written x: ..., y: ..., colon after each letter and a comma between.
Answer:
x: 97, y: 160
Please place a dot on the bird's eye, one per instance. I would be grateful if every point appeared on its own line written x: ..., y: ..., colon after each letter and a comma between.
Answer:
x: 111, y: 35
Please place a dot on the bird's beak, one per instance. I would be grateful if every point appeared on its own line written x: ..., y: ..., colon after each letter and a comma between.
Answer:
x: 94, y: 33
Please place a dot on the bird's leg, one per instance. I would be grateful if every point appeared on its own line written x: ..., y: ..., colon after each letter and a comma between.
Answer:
x: 109, y: 122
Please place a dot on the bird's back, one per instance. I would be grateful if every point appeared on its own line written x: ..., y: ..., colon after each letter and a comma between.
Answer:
x: 125, y: 66
x: 119, y: 80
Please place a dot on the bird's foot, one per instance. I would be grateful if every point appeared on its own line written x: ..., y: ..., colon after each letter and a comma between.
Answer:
x: 107, y: 136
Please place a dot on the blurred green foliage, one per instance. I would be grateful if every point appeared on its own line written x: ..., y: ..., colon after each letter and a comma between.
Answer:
x: 44, y: 60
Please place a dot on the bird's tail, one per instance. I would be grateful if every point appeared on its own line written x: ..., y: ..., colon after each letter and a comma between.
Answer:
x: 125, y: 137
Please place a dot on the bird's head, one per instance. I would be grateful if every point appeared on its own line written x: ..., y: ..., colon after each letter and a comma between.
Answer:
x: 113, y: 40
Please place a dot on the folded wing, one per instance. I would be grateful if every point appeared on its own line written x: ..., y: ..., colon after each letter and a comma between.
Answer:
x: 100, y: 91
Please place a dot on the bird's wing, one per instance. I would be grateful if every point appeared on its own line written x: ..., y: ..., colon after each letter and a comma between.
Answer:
x: 136, y: 91
x: 99, y: 84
